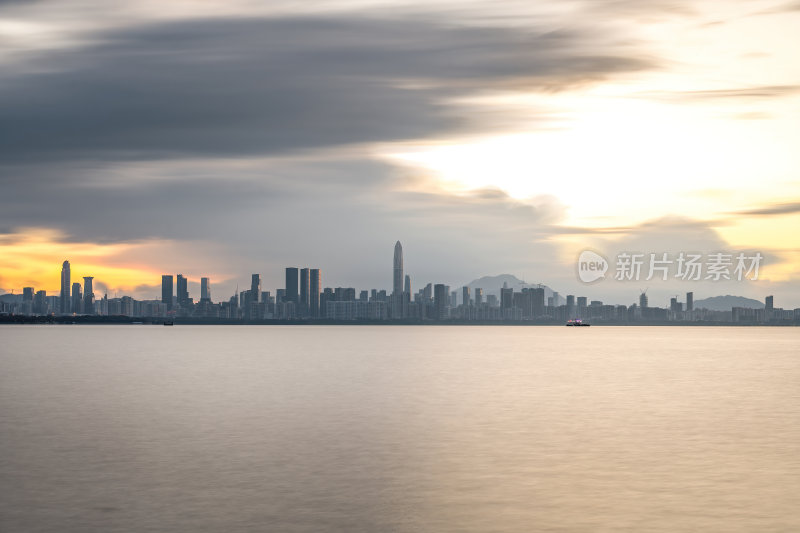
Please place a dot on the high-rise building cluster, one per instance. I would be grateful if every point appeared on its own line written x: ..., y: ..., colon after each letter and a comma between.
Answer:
x: 304, y: 298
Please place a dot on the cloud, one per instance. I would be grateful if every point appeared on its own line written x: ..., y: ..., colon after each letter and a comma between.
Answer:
x: 787, y: 7
x: 770, y: 210
x: 746, y: 93
x: 265, y: 86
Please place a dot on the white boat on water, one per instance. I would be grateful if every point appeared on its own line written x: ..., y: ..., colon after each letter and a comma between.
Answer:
x: 577, y: 322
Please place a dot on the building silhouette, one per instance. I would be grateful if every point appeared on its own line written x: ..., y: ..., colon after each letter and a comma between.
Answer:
x: 290, y: 294
x: 440, y: 298
x: 88, y: 295
x: 182, y: 291
x: 65, y: 302
x: 313, y: 292
x: 304, y: 289
x: 397, y: 269
x: 205, y: 290
x: 166, y: 291
x: 255, y: 288
x: 397, y: 282
x: 77, y: 298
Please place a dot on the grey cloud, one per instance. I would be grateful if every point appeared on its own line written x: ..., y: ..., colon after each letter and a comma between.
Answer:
x: 87, y: 203
x: 769, y: 210
x: 746, y: 93
x: 267, y: 86
x: 635, y: 9
x: 658, y: 225
x: 787, y: 7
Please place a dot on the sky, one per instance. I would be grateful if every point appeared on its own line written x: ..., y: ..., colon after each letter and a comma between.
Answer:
x: 221, y: 139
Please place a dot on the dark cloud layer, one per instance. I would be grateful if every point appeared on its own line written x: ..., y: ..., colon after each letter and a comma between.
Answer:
x: 265, y: 86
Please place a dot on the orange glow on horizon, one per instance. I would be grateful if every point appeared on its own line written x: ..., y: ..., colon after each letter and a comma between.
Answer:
x: 32, y: 257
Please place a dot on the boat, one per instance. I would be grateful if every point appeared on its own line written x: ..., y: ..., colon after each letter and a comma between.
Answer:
x: 169, y: 323
x: 577, y: 322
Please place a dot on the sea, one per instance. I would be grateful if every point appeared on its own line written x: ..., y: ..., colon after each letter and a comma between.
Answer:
x: 146, y: 428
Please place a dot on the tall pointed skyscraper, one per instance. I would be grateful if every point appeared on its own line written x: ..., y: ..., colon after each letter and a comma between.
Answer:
x: 397, y: 283
x: 65, y: 289
x: 397, y: 287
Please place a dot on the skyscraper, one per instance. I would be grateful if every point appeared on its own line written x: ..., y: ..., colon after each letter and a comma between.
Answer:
x: 65, y: 278
x: 506, y: 297
x: 465, y: 298
x: 77, y: 299
x: 40, y: 302
x: 538, y: 302
x: 166, y: 291
x: 291, y: 285
x: 440, y: 300
x: 205, y: 290
x: 255, y: 288
x: 182, y: 291
x: 304, y: 288
x: 397, y: 286
x: 407, y: 285
x: 397, y: 282
x: 88, y: 295
x: 689, y: 301
x: 313, y: 292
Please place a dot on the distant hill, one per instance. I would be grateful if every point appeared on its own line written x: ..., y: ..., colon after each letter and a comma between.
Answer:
x: 724, y: 303
x: 493, y: 284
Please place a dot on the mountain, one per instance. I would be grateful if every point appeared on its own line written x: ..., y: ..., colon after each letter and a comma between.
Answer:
x: 724, y: 303
x: 493, y: 284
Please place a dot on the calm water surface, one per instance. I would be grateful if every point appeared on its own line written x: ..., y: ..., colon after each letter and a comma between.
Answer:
x: 430, y: 429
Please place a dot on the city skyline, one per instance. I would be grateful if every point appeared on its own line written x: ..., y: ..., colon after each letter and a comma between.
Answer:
x: 299, y: 279
x: 303, y: 297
